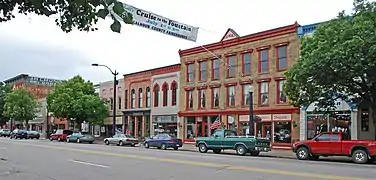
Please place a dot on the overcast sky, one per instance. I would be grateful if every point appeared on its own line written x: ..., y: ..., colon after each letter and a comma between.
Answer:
x: 35, y: 46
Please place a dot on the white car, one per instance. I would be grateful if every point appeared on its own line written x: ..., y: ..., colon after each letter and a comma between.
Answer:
x: 121, y: 140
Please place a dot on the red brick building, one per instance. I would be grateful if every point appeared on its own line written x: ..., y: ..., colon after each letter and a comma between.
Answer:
x: 217, y: 86
x: 39, y: 87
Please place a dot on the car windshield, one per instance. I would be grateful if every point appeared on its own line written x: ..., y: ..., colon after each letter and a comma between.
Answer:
x: 6, y: 130
x: 128, y: 136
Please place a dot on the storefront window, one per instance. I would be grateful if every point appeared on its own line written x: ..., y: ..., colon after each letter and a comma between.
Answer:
x: 165, y: 125
x: 334, y: 122
x: 190, y: 128
x: 282, y: 132
x: 232, y: 123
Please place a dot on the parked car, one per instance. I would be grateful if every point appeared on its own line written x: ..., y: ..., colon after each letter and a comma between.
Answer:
x: 163, y: 141
x: 80, y: 137
x: 33, y: 135
x: 60, y: 135
x: 222, y: 139
x: 5, y: 133
x: 121, y: 140
x: 18, y: 134
x: 335, y: 144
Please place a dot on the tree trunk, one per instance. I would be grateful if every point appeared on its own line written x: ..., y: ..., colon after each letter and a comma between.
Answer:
x: 372, y: 116
x: 27, y: 125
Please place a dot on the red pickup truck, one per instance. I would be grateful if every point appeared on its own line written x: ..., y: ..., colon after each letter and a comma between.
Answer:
x: 335, y: 144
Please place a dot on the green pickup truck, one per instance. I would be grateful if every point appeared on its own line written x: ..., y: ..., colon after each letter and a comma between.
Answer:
x: 227, y: 139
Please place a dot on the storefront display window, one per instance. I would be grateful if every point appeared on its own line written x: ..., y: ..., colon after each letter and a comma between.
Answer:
x: 165, y: 124
x: 282, y: 132
x: 147, y: 126
x: 190, y: 128
x: 232, y: 124
x: 334, y: 122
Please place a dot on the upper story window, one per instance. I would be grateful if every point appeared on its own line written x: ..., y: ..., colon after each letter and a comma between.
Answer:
x: 140, y: 98
x: 231, y: 96
x: 148, y: 97
x: 165, y: 94
x: 202, y: 98
x: 111, y: 104
x: 174, y: 87
x: 246, y: 61
x: 245, y: 99
x: 215, y: 97
x: 190, y: 99
x: 119, y: 102
x: 264, y: 61
x: 282, y: 58
x: 126, y: 99
x: 264, y: 93
x: 133, y: 98
x: 203, y: 71
x: 281, y: 97
x: 190, y: 72
x: 215, y: 69
x: 231, y: 66
x: 156, y: 95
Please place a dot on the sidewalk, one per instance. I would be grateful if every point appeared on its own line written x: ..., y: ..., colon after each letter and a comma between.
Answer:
x: 274, y: 153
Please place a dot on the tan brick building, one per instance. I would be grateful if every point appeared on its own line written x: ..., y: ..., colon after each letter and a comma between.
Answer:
x: 214, y: 88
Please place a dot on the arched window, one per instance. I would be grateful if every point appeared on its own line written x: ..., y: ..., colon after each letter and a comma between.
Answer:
x: 165, y: 93
x: 174, y: 87
x: 156, y: 95
x: 140, y: 98
x: 133, y: 99
x: 148, y: 97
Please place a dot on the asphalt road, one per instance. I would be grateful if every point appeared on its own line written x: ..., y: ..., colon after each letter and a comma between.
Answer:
x: 45, y: 160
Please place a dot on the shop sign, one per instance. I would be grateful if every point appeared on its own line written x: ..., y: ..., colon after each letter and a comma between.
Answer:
x: 281, y: 117
x: 265, y: 117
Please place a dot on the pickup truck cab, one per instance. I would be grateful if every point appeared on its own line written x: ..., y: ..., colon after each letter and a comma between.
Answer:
x: 222, y: 139
x: 335, y: 144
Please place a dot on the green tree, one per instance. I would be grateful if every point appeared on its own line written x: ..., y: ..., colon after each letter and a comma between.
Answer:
x: 75, y: 99
x: 20, y: 105
x: 338, y: 62
x: 4, y: 90
x: 80, y: 14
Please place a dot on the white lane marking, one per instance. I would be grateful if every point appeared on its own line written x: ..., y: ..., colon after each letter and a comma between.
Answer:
x: 90, y: 164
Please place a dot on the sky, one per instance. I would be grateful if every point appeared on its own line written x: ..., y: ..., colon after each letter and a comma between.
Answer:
x: 34, y: 45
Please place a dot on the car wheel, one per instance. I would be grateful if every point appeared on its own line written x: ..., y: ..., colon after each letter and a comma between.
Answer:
x: 302, y: 153
x: 202, y: 148
x: 90, y: 142
x: 146, y: 145
x: 59, y: 139
x: 163, y: 146
x: 255, y: 153
x: 121, y: 143
x: 68, y: 140
x: 37, y: 137
x: 78, y: 140
x: 51, y: 139
x: 241, y: 150
x: 106, y: 142
x: 360, y: 156
x: 217, y: 151
x: 176, y: 148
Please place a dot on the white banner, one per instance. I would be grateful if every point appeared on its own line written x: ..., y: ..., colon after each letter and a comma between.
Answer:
x: 161, y: 24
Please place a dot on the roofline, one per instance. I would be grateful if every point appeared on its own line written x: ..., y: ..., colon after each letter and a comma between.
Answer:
x: 15, y: 77
x: 154, y: 70
x: 292, y: 28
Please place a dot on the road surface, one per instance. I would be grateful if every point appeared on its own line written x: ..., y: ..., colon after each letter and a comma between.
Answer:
x: 45, y: 160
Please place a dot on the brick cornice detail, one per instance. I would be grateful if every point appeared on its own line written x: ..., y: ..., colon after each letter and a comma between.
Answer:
x: 231, y: 84
x: 189, y: 88
x: 246, y: 82
x: 279, y: 78
x: 215, y: 85
x: 189, y: 62
x: 246, y: 51
x: 263, y: 47
x: 201, y: 87
x: 281, y: 44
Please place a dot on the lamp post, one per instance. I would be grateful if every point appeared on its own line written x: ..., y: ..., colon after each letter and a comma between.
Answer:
x: 251, y: 120
x: 115, y: 73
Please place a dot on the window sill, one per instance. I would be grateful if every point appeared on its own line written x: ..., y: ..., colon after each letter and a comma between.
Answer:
x: 232, y: 106
x: 244, y: 75
x: 263, y: 105
x: 202, y: 108
x: 282, y: 104
x: 216, y: 107
x: 280, y: 70
x: 262, y: 73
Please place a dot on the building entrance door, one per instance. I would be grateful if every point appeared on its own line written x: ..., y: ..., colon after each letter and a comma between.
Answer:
x: 202, y: 127
x: 266, y: 130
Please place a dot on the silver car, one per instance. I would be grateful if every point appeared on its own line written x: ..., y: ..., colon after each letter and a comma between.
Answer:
x: 121, y: 140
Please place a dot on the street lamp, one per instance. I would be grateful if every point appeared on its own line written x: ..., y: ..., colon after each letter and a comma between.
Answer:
x: 251, y: 120
x: 115, y: 73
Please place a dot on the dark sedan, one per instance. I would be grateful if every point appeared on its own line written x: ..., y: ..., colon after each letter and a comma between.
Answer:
x: 18, y: 134
x: 163, y: 141
x: 33, y: 135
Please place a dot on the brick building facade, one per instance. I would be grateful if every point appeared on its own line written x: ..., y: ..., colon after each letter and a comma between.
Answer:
x: 138, y: 100
x: 217, y: 86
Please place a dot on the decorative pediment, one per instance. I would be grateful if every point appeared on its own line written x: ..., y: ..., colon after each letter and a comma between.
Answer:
x: 230, y: 34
